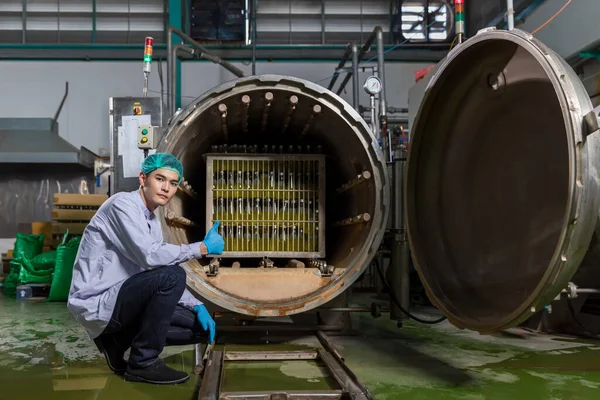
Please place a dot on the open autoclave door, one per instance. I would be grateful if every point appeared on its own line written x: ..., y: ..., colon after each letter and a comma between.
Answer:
x: 502, y: 180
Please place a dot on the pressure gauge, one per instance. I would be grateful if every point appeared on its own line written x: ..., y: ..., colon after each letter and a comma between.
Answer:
x: 372, y: 85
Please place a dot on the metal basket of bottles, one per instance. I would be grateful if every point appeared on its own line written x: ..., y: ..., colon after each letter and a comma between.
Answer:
x: 268, y: 204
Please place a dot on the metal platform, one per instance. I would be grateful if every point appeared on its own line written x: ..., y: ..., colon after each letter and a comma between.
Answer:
x: 213, y: 364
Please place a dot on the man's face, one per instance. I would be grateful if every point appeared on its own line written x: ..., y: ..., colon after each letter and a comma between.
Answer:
x: 159, y: 187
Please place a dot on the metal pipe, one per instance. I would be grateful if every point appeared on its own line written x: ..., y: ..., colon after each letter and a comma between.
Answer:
x: 357, y: 219
x: 348, y: 309
x: 254, y: 37
x: 588, y: 291
x: 340, y: 66
x: 400, y: 257
x: 223, y: 110
x: 391, y: 120
x: 176, y: 218
x: 246, y: 102
x: 265, y: 116
x: 280, y: 328
x: 381, y: 72
x: 322, y: 22
x: 363, y: 50
x: 316, y: 111
x: 361, y: 54
x: 171, y: 58
x: 369, y: 42
x: 510, y: 14
x: 293, y: 102
x: 172, y: 79
x: 383, y: 131
x: 373, y: 118
x: 363, y: 177
x: 355, y: 84
x: 390, y: 110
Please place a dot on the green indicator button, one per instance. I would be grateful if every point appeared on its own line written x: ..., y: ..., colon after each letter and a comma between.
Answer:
x: 144, y: 131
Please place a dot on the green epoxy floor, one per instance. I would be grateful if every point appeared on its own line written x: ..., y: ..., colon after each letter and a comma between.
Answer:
x: 45, y: 354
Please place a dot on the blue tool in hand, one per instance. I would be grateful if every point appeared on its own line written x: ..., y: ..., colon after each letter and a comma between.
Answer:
x: 206, y: 321
x: 213, y: 241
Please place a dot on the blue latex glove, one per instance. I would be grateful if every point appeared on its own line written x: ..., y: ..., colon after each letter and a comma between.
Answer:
x: 213, y: 241
x: 207, y: 323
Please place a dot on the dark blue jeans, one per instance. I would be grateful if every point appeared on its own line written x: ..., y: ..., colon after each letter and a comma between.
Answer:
x: 147, y: 315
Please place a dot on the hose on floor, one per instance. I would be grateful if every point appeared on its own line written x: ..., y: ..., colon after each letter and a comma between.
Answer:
x: 378, y: 267
x: 578, y: 321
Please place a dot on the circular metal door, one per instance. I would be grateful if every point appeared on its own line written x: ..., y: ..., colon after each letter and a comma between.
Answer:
x: 502, y: 180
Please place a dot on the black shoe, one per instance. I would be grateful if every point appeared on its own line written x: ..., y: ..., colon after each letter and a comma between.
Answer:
x: 112, y: 353
x: 157, y: 372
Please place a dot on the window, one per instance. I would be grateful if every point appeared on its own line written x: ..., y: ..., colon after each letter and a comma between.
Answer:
x: 416, y: 25
x: 82, y: 21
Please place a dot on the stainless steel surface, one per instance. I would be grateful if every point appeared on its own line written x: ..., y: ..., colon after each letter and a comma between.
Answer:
x: 268, y: 205
x: 36, y: 141
x: 331, y: 127
x: 502, y: 192
x: 118, y: 107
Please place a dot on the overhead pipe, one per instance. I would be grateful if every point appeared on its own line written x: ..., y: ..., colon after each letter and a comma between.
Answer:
x: 382, y: 97
x: 172, y: 78
x: 355, y: 83
x: 341, y: 65
x: 363, y: 50
x: 172, y: 73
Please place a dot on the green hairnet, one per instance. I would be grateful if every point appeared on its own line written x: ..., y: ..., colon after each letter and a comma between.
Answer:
x: 162, y: 160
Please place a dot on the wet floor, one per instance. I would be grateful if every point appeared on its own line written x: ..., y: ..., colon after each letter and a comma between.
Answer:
x: 44, y: 354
